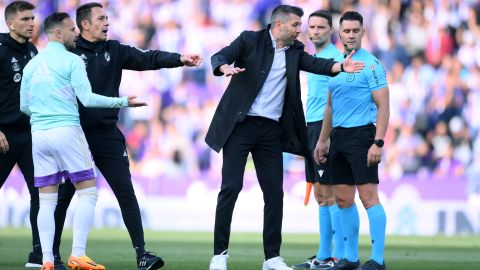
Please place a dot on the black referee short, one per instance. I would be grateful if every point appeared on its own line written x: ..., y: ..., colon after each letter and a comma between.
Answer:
x: 322, y: 171
x: 348, y: 156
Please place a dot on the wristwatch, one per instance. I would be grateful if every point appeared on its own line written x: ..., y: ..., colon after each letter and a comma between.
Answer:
x: 379, y: 142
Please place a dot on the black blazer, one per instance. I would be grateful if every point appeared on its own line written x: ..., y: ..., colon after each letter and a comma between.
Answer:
x: 254, y: 52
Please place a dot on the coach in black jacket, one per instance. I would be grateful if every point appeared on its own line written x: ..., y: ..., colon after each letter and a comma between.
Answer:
x: 15, y: 137
x: 261, y: 112
x: 105, y: 60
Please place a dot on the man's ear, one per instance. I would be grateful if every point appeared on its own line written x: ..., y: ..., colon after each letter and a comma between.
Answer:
x: 58, y: 33
x: 10, y: 25
x: 85, y: 25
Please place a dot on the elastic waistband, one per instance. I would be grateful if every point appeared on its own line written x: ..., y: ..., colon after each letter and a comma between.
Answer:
x: 315, y: 123
x: 352, y: 128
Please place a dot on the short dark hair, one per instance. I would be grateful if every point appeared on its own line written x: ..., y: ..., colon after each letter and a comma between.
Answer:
x: 54, y: 20
x: 17, y: 6
x: 84, y: 12
x: 282, y: 12
x: 323, y: 14
x: 352, y: 16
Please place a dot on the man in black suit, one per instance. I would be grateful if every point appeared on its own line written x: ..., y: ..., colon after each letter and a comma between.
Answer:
x: 261, y: 112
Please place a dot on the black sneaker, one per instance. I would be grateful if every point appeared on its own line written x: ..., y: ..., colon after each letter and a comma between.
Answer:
x: 58, y: 263
x: 149, y: 261
x: 344, y: 264
x: 312, y: 261
x: 326, y: 264
x: 372, y: 265
x: 34, y: 260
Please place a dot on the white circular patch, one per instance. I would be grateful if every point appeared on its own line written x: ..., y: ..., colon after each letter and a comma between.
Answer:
x: 17, y: 77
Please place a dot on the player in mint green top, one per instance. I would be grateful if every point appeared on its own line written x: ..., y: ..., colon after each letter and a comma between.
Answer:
x: 51, y: 83
x: 320, y: 31
x: 358, y: 109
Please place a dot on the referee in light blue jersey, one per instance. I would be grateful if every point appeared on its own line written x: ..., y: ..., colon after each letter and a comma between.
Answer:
x: 320, y: 31
x: 358, y: 110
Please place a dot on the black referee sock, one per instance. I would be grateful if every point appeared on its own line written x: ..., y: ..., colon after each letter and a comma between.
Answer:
x: 140, y: 251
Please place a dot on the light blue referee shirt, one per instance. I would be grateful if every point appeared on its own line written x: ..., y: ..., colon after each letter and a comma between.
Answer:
x: 318, y: 86
x: 352, y: 101
x: 51, y: 83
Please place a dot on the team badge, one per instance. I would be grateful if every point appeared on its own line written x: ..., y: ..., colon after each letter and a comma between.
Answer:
x: 107, y: 56
x: 15, y: 66
x: 350, y: 77
x: 17, y: 77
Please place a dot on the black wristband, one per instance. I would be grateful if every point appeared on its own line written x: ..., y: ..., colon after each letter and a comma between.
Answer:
x: 341, y: 67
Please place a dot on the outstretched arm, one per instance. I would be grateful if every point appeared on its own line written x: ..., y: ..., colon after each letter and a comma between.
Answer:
x: 222, y: 60
x: 137, y: 59
x: 348, y: 65
x: 191, y: 60
x: 228, y: 70
x: 83, y: 91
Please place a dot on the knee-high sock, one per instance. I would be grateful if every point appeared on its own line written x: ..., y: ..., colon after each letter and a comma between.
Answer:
x: 46, y: 223
x: 350, y: 225
x: 83, y: 219
x: 325, y: 245
x: 338, y: 242
x: 378, y: 223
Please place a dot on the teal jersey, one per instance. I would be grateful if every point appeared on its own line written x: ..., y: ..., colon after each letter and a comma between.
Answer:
x: 352, y: 100
x: 318, y: 86
x: 51, y: 83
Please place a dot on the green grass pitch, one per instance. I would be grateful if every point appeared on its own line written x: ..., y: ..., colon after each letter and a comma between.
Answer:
x: 193, y: 250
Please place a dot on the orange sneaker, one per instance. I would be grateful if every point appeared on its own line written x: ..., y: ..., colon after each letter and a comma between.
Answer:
x: 83, y: 263
x: 48, y: 266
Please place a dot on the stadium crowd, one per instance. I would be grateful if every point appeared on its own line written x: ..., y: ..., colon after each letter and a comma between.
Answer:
x: 430, y: 49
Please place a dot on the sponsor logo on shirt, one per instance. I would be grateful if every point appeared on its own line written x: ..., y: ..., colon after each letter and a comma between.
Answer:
x: 84, y: 58
x: 374, y: 73
x: 17, y: 77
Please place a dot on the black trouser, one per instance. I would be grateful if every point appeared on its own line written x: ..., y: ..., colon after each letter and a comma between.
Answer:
x: 20, y: 152
x: 109, y: 153
x: 261, y: 137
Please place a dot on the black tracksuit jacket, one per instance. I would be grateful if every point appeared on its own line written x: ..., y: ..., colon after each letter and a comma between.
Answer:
x: 13, y: 58
x: 105, y: 61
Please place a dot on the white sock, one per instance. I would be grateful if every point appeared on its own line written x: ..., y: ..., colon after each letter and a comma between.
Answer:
x: 83, y: 219
x: 46, y: 224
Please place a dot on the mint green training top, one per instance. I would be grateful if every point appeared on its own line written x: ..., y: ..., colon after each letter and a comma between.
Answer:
x: 51, y: 83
